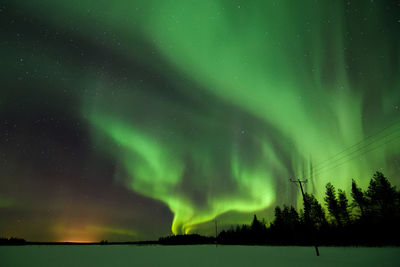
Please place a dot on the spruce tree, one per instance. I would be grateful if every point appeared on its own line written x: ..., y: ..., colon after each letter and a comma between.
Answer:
x: 343, y: 206
x: 332, y: 203
x: 359, y: 199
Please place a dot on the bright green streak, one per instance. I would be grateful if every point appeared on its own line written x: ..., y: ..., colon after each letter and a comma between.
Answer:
x: 255, y: 58
x: 157, y: 169
x: 282, y: 62
x: 298, y: 77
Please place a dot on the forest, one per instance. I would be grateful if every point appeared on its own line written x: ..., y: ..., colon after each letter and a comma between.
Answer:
x: 371, y: 218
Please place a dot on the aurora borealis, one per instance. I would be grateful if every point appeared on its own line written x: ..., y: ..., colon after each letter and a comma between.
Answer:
x: 128, y: 120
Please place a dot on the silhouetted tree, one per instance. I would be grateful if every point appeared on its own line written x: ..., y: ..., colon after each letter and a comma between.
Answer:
x: 332, y: 203
x: 382, y: 197
x: 343, y: 207
x: 186, y: 240
x: 359, y: 199
x: 12, y: 241
x: 256, y: 225
x: 314, y: 215
x: 286, y: 219
x: 379, y: 207
x: 290, y: 217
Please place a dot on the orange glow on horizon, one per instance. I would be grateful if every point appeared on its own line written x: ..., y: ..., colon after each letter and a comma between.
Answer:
x: 77, y: 241
x: 75, y: 233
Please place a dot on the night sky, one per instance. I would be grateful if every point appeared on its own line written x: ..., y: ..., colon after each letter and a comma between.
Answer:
x: 130, y: 120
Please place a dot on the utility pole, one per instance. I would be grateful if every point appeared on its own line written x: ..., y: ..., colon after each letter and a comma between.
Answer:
x: 301, y: 186
x: 301, y: 182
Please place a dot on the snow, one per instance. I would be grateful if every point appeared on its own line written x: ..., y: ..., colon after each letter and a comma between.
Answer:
x: 203, y: 255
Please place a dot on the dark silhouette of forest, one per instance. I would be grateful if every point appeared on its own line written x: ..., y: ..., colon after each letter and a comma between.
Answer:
x: 371, y: 218
x: 193, y: 239
x: 12, y: 241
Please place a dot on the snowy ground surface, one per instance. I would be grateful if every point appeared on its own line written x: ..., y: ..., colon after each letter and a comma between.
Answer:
x: 204, y: 255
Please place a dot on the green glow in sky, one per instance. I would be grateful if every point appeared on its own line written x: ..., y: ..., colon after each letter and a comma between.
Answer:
x: 287, y: 65
x: 210, y: 107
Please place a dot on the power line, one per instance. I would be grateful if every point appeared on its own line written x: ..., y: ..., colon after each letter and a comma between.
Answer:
x: 318, y: 168
x: 365, y: 152
x: 358, y: 143
x: 356, y: 153
x: 334, y: 159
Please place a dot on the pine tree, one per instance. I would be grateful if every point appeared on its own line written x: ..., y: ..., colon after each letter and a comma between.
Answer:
x: 256, y: 225
x: 332, y: 203
x: 294, y: 219
x: 359, y: 199
x: 343, y: 206
x: 278, y: 221
x: 314, y: 215
x: 382, y: 196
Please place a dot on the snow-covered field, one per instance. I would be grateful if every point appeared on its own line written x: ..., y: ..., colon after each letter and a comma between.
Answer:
x: 205, y: 255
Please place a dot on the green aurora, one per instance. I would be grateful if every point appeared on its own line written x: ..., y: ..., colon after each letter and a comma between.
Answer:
x: 212, y: 106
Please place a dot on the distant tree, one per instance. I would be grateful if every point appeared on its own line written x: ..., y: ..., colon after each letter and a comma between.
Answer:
x: 12, y: 241
x: 256, y: 225
x: 359, y: 199
x: 238, y: 228
x: 186, y: 239
x: 343, y: 206
x: 332, y: 203
x: 285, y: 220
x: 314, y: 215
x: 278, y: 221
x: 294, y: 218
x: 290, y: 217
x: 383, y: 196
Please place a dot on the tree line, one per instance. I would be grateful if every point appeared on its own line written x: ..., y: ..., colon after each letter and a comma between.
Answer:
x: 12, y: 241
x: 372, y: 217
